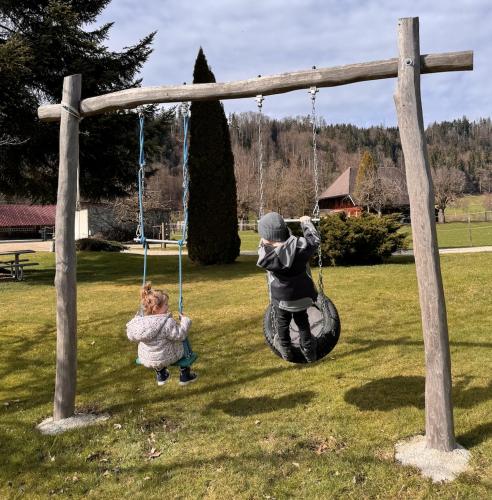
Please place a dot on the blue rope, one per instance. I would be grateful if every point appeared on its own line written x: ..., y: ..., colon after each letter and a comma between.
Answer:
x: 141, y: 189
x: 188, y: 352
x: 141, y: 221
x: 186, y: 183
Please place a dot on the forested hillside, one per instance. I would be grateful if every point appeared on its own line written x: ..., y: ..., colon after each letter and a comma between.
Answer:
x: 287, y: 152
x: 287, y: 144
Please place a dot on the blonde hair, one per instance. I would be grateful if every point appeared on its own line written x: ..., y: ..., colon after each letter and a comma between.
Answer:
x: 152, y: 299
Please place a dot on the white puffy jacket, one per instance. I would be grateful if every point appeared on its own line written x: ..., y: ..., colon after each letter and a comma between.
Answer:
x: 159, y: 337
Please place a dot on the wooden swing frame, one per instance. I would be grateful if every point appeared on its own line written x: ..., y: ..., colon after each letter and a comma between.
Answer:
x: 408, y: 67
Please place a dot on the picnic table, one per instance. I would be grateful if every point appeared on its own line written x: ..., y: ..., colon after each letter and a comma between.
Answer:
x: 15, y: 265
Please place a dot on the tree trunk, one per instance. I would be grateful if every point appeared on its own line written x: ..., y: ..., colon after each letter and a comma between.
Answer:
x: 440, y: 216
x: 66, y: 257
x: 438, y: 405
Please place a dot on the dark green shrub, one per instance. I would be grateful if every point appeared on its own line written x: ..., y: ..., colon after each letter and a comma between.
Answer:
x: 99, y: 245
x: 368, y: 239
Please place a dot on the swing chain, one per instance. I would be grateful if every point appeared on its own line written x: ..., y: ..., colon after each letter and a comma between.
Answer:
x: 316, y: 211
x: 259, y: 101
x: 273, y: 316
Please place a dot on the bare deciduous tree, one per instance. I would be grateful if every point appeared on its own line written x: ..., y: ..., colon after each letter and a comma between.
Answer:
x: 449, y: 183
x: 484, y: 176
x: 246, y: 182
x: 377, y: 187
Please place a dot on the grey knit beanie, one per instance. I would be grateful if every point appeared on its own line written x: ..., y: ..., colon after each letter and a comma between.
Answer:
x: 273, y: 227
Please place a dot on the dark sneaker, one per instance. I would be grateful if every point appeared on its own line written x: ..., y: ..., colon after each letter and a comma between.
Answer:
x: 186, y: 376
x: 309, y: 351
x: 286, y: 353
x: 162, y: 376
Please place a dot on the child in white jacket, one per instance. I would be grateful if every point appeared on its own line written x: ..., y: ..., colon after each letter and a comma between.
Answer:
x: 160, y: 338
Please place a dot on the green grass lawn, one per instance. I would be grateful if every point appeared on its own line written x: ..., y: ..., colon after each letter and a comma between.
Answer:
x: 252, y: 426
x: 457, y: 234
x: 249, y: 240
x: 468, y: 204
x: 449, y: 235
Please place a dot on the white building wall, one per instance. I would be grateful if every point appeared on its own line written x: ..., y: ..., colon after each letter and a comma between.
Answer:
x: 81, y: 224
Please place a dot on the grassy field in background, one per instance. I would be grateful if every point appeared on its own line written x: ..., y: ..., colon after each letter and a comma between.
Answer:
x: 252, y: 426
x: 249, y: 240
x: 449, y: 235
x: 469, y: 204
x: 457, y: 234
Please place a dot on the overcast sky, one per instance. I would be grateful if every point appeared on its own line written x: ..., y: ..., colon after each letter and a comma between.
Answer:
x: 242, y: 39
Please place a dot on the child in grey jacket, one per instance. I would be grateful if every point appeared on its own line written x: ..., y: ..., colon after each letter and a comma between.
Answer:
x: 292, y: 290
x: 160, y: 338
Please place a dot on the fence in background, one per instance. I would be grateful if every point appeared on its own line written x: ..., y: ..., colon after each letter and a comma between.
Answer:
x: 470, y: 217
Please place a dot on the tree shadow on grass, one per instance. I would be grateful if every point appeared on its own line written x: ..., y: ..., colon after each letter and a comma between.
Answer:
x: 367, y: 345
x: 127, y: 269
x: 103, y: 467
x: 102, y: 370
x: 388, y: 394
x: 475, y: 436
x: 401, y: 259
x: 244, y: 407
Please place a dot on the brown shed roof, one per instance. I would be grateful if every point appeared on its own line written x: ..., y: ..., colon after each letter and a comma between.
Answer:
x: 342, y: 186
x: 27, y: 215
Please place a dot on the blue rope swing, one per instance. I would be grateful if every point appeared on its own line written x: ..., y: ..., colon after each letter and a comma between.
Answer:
x: 186, y: 185
x: 188, y: 353
x: 141, y: 190
x: 189, y: 356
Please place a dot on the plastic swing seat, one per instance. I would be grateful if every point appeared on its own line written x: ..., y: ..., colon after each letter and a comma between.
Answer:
x: 186, y: 361
x: 325, y: 327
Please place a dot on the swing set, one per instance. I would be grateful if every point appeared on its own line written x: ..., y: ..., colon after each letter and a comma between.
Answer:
x: 408, y: 67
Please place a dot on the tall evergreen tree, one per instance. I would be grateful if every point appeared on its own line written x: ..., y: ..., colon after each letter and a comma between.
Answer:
x: 40, y: 43
x: 213, y: 229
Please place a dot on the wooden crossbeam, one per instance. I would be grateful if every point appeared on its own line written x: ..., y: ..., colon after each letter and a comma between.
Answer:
x: 266, y: 85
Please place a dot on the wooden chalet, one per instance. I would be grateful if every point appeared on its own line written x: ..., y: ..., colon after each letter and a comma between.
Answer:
x: 338, y: 197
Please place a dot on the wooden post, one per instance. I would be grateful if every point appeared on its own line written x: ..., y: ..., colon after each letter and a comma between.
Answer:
x: 438, y: 405
x: 66, y: 257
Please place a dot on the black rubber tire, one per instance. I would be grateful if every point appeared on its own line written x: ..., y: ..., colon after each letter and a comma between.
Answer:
x: 327, y: 337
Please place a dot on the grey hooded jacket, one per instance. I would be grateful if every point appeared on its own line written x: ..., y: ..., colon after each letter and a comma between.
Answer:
x: 159, y: 337
x: 289, y: 276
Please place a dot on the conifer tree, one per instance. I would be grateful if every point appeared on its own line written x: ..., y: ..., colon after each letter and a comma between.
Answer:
x: 40, y: 43
x: 213, y: 230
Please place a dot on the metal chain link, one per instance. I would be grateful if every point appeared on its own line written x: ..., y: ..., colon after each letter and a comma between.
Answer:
x: 313, y: 91
x: 259, y: 101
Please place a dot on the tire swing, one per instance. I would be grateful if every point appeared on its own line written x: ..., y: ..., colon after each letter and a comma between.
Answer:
x: 323, y: 316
